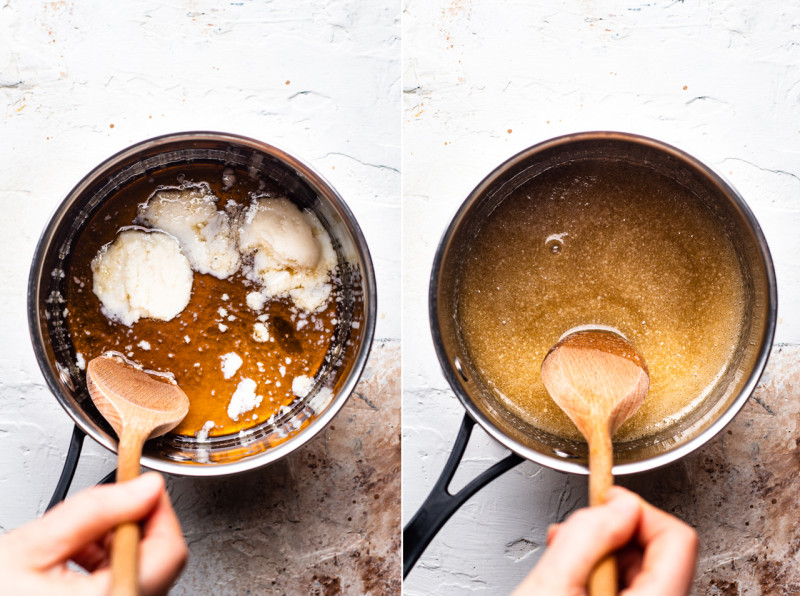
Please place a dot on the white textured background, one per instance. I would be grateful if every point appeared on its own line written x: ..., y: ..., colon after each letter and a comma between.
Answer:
x: 483, y: 80
x: 721, y: 80
x: 81, y: 80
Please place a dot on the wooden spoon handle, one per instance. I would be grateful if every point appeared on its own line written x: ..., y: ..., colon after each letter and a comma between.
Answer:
x: 125, y: 560
x: 603, y: 580
x: 125, y: 543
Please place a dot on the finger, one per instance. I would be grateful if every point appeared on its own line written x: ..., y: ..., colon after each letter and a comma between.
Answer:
x: 590, y: 534
x: 551, y: 533
x: 670, y: 555
x: 163, y: 550
x: 629, y: 563
x: 93, y: 556
x: 85, y: 518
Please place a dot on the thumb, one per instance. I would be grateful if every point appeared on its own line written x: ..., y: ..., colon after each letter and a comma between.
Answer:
x: 86, y: 517
x: 590, y: 534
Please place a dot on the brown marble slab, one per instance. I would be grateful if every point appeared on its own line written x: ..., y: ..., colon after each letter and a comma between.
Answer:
x: 741, y: 491
x: 323, y: 521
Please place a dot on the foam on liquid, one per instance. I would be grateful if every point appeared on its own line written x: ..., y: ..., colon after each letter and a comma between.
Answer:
x: 609, y: 244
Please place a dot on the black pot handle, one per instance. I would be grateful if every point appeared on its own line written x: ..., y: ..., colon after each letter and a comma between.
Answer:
x: 441, y: 504
x: 70, y: 465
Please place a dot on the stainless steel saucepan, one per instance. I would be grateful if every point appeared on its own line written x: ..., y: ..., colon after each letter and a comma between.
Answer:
x: 527, y: 442
x: 270, y: 440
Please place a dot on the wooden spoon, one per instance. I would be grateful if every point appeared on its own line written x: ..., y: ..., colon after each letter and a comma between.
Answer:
x: 599, y: 380
x: 138, y: 407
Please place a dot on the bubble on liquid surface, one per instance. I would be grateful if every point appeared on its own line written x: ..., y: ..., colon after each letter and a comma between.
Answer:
x: 555, y: 243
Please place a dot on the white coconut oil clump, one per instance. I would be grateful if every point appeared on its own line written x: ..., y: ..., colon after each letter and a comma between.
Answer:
x: 243, y: 399
x: 231, y: 362
x: 205, y: 233
x: 142, y: 274
x: 202, y: 434
x: 292, y: 253
x: 302, y: 385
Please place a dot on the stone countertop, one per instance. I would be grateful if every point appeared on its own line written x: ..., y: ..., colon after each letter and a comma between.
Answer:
x: 484, y: 80
x: 80, y: 81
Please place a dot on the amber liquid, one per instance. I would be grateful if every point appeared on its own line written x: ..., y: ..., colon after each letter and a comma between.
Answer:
x: 190, y: 345
x: 602, y: 244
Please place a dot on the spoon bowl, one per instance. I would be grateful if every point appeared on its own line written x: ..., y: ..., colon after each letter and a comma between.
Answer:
x: 127, y: 395
x: 594, y: 376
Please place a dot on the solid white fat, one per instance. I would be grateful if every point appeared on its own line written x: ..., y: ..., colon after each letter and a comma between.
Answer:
x: 260, y: 332
x: 301, y: 385
x: 278, y: 227
x: 244, y: 399
x: 205, y: 234
x: 230, y: 364
x: 228, y: 178
x: 292, y: 253
x: 202, y: 434
x: 256, y: 300
x: 141, y: 274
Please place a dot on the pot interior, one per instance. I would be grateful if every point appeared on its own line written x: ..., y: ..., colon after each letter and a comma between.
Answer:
x: 732, y: 387
x: 355, y: 308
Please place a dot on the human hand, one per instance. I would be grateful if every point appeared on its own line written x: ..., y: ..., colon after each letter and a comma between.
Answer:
x: 656, y: 552
x: 34, y: 557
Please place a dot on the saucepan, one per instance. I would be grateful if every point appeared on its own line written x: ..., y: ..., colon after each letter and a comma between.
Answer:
x: 527, y: 442
x: 176, y: 454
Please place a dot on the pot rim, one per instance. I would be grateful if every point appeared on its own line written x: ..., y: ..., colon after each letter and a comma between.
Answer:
x: 319, y: 184
x: 564, y: 465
